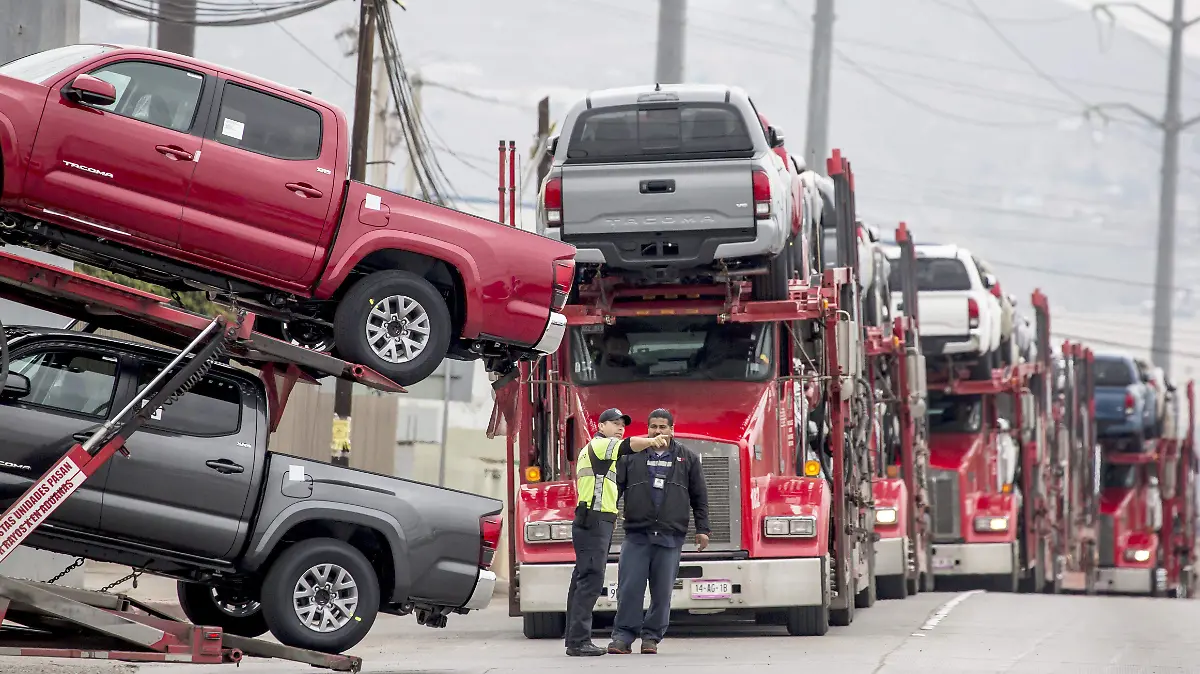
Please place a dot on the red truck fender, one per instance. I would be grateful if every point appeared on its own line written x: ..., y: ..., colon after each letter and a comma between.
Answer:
x: 783, y: 495
x: 343, y: 260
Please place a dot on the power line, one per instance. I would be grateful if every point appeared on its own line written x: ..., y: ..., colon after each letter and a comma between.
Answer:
x: 1124, y: 345
x: 1088, y: 277
x: 212, y: 14
x: 1029, y: 20
x: 328, y: 66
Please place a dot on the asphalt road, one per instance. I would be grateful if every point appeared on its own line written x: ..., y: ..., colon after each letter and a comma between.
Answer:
x: 958, y: 633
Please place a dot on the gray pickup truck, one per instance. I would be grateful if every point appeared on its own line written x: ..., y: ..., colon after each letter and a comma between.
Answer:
x: 672, y: 182
x: 259, y: 541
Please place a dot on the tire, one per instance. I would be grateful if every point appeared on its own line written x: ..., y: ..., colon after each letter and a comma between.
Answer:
x: 544, y: 625
x: 367, y: 296
x: 808, y: 621
x: 199, y: 604
x: 774, y: 285
x: 299, y: 563
x: 893, y: 587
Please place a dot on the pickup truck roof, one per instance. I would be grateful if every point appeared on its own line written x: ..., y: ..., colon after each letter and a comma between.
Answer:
x: 645, y: 93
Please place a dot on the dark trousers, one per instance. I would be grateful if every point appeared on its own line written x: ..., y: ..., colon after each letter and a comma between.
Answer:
x: 642, y: 562
x: 587, y: 580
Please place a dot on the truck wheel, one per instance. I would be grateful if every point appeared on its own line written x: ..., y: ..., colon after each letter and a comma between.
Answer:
x: 773, y: 285
x: 214, y: 607
x: 395, y: 323
x: 321, y: 594
x: 892, y: 587
x: 544, y: 625
x: 808, y: 621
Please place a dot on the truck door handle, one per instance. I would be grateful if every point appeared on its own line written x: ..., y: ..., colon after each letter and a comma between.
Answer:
x: 174, y: 152
x: 224, y: 466
x: 656, y: 186
x: 304, y: 190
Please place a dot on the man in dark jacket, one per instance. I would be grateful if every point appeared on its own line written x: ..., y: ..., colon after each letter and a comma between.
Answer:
x: 662, y: 487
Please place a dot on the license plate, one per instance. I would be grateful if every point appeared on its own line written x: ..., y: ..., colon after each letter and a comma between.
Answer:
x: 712, y: 589
x: 943, y: 563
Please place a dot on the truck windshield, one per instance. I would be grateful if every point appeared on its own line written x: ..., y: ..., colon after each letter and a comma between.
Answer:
x: 656, y: 132
x: 935, y: 274
x: 696, y: 348
x: 955, y: 414
x: 1113, y: 372
x: 1117, y: 476
x: 39, y: 67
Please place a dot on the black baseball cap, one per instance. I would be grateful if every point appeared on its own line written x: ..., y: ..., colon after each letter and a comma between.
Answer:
x: 612, y: 414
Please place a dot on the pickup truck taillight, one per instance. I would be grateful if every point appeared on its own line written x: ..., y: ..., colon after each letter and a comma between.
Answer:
x: 972, y: 313
x: 552, y: 202
x: 762, y: 194
x: 490, y: 527
x: 1130, y: 403
x: 564, y: 278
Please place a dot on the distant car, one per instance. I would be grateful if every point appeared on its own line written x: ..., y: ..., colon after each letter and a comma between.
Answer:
x: 1125, y: 403
x: 666, y: 183
x: 961, y: 319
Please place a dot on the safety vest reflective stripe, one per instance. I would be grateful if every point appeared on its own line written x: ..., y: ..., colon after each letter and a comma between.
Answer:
x: 599, y: 494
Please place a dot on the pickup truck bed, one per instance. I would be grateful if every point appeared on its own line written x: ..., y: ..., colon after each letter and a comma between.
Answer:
x: 258, y: 539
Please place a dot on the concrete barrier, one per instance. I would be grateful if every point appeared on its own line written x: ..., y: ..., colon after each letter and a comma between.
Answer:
x: 38, y: 565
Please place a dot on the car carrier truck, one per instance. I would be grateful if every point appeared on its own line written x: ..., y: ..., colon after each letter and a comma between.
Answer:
x: 788, y: 499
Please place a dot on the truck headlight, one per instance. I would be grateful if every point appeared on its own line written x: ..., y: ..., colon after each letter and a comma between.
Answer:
x: 547, y: 532
x: 789, y: 527
x: 991, y: 523
x: 885, y: 516
x: 1137, y: 555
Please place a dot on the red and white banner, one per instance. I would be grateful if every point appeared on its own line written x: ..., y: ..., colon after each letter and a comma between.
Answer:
x: 35, y: 505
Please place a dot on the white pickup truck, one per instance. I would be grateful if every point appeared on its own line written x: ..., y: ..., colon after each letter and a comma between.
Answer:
x: 960, y: 318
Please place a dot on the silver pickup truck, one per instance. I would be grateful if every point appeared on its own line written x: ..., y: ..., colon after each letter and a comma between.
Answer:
x: 672, y: 182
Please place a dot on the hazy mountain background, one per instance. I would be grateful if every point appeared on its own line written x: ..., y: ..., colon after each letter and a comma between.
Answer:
x: 946, y: 127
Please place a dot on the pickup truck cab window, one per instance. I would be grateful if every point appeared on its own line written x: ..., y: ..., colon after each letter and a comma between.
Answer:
x: 955, y: 414
x: 155, y: 93
x: 266, y: 124
x: 936, y: 274
x: 652, y: 132
x: 77, y: 381
x: 40, y: 67
x: 213, y: 407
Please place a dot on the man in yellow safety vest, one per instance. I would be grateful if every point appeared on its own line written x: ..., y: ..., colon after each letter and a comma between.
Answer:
x: 595, y: 517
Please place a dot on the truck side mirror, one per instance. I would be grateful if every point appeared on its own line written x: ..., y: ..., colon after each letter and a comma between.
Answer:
x: 775, y: 136
x: 552, y: 145
x: 16, y: 386
x: 989, y: 280
x: 91, y: 90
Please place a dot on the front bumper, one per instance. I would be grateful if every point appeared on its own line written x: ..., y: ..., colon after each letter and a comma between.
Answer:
x: 1120, y: 580
x: 552, y: 336
x: 485, y: 587
x: 762, y: 583
x: 973, y: 559
x: 891, y: 556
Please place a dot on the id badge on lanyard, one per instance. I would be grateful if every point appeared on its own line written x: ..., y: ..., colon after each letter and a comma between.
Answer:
x: 660, y: 482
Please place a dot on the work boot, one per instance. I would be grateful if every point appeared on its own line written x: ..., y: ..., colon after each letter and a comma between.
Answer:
x: 649, y: 647
x: 585, y: 650
x: 619, y: 647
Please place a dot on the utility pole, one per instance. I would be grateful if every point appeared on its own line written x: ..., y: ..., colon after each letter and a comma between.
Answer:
x: 343, y: 397
x: 1172, y: 126
x: 820, y: 74
x: 31, y: 26
x: 410, y: 174
x: 381, y: 138
x: 672, y: 21
x: 177, y: 37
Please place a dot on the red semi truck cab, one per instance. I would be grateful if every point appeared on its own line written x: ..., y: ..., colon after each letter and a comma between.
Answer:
x: 728, y: 379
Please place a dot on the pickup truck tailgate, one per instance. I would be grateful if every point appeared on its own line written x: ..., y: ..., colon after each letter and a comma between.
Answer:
x: 646, y: 197
x: 943, y: 314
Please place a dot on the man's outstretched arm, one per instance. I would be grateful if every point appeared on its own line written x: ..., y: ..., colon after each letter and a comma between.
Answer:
x: 639, y: 444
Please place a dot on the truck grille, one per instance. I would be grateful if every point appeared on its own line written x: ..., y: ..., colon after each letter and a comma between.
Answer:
x: 1107, y: 547
x: 943, y: 492
x: 722, y: 476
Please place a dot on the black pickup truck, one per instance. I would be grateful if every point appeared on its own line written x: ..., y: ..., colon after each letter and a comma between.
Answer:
x: 259, y: 541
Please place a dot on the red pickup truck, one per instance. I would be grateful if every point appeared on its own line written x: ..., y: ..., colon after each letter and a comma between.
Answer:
x: 197, y: 177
